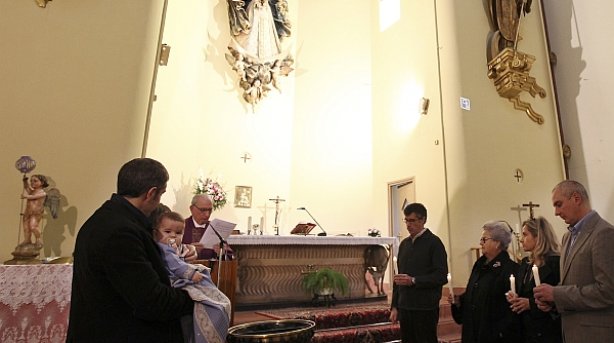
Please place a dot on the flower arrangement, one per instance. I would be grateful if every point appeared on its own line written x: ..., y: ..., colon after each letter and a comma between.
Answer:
x: 213, y: 189
x: 374, y: 233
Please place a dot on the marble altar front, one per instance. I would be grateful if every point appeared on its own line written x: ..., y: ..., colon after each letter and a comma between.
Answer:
x: 271, y: 268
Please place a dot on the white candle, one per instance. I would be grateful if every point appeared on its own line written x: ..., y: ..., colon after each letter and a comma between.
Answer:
x: 394, y: 264
x: 513, y: 284
x: 450, y: 286
x: 249, y: 223
x: 262, y: 223
x: 517, y: 228
x: 536, y: 275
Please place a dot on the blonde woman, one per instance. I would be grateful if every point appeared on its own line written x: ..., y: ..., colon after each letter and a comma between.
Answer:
x: 539, y: 240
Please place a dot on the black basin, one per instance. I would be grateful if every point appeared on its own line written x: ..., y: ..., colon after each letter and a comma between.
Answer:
x: 273, y: 331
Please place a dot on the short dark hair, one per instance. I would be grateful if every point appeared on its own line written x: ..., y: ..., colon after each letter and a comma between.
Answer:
x: 416, y: 208
x: 139, y: 175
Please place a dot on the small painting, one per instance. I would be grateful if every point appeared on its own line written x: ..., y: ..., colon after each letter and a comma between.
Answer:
x: 243, y: 196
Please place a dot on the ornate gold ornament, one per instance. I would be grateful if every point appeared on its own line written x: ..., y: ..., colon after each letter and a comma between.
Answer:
x: 42, y: 3
x: 508, y: 67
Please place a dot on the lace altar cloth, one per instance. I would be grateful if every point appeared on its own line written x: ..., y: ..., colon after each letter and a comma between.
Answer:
x: 34, y: 303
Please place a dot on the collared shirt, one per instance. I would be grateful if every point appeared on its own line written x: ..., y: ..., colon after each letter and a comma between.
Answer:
x: 577, y: 228
x: 413, y: 238
x: 204, y: 226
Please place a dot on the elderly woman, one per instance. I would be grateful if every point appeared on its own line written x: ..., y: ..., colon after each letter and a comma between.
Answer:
x: 483, y: 309
x: 539, y: 239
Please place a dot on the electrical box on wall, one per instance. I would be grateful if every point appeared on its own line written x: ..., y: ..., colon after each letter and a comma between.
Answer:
x: 465, y: 104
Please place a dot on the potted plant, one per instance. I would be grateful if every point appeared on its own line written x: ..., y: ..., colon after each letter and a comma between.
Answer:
x: 325, y: 281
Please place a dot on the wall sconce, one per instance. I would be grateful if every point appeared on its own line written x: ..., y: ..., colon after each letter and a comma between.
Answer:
x: 424, y: 105
x: 165, y: 52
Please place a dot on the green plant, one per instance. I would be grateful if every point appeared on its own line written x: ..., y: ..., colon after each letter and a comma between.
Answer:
x: 325, y: 279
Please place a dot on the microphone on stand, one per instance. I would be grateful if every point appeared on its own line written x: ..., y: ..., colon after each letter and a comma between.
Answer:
x: 323, y: 233
x: 219, y: 259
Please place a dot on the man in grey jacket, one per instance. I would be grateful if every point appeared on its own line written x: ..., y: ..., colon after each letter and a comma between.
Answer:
x: 585, y: 295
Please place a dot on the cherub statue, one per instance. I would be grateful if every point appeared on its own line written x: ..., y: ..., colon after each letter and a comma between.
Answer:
x: 36, y: 201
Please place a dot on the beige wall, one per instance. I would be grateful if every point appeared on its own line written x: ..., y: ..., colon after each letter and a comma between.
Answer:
x: 74, y: 93
x: 485, y: 145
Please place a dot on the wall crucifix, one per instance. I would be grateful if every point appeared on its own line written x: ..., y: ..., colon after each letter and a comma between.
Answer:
x: 530, y: 205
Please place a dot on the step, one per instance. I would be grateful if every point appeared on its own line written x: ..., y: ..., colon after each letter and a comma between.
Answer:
x: 380, y: 332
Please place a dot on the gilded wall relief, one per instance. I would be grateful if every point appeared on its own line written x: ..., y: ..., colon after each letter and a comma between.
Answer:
x: 508, y: 67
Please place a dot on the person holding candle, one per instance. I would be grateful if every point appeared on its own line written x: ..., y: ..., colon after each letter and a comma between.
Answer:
x: 419, y: 277
x: 483, y: 309
x: 542, y: 265
x: 585, y: 295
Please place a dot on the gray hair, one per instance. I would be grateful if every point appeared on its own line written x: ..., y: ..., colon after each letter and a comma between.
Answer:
x: 199, y: 196
x: 500, y: 231
x: 569, y: 187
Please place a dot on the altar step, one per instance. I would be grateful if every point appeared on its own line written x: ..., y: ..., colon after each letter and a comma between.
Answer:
x: 360, y: 323
x: 363, y: 323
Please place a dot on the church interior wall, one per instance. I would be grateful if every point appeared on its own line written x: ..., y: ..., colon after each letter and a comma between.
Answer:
x: 346, y: 123
x: 485, y: 145
x: 580, y: 37
x: 75, y: 91
x: 406, y: 143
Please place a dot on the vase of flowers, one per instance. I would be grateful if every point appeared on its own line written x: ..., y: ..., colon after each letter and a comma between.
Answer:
x: 213, y: 189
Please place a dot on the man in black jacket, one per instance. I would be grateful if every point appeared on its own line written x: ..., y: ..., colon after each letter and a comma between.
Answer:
x: 423, y: 269
x: 120, y: 288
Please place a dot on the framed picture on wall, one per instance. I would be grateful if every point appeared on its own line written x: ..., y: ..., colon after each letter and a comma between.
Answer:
x: 243, y: 196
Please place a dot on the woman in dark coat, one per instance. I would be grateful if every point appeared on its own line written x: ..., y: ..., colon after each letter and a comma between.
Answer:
x: 539, y: 239
x: 483, y: 309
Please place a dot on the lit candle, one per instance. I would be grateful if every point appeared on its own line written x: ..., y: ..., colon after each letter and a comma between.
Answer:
x: 536, y: 275
x: 249, y: 223
x: 394, y: 264
x: 450, y: 286
x: 513, y: 284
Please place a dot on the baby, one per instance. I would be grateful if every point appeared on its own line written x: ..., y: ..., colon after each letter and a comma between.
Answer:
x: 212, y: 309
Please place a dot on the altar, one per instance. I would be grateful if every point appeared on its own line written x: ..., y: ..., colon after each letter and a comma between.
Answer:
x: 34, y: 302
x: 271, y: 268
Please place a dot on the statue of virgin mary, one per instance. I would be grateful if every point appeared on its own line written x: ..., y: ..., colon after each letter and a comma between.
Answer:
x: 258, y: 26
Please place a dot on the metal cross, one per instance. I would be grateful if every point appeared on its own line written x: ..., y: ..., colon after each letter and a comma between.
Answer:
x: 277, y: 200
x: 519, y: 209
x: 518, y: 175
x: 246, y: 157
x: 530, y: 205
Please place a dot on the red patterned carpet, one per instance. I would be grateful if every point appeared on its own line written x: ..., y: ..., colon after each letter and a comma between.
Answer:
x: 336, y: 317
x: 345, y: 323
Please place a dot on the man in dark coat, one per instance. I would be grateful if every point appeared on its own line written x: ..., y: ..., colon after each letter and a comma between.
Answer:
x: 120, y: 288
x: 422, y: 267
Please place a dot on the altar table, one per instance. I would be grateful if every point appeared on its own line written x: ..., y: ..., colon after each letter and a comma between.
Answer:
x: 271, y: 268
x: 34, y: 302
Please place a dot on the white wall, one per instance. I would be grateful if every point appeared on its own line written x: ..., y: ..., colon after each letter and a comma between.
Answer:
x: 580, y: 36
x: 310, y: 145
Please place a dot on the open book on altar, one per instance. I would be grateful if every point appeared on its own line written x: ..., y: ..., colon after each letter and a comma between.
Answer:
x: 222, y: 227
x: 302, y: 228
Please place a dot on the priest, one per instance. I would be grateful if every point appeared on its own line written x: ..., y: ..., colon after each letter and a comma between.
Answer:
x: 201, y: 208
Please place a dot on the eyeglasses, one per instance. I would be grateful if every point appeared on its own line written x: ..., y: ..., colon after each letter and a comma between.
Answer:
x: 203, y: 209
x: 484, y: 239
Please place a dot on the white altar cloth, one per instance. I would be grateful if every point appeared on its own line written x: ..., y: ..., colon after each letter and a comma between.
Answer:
x: 234, y: 240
